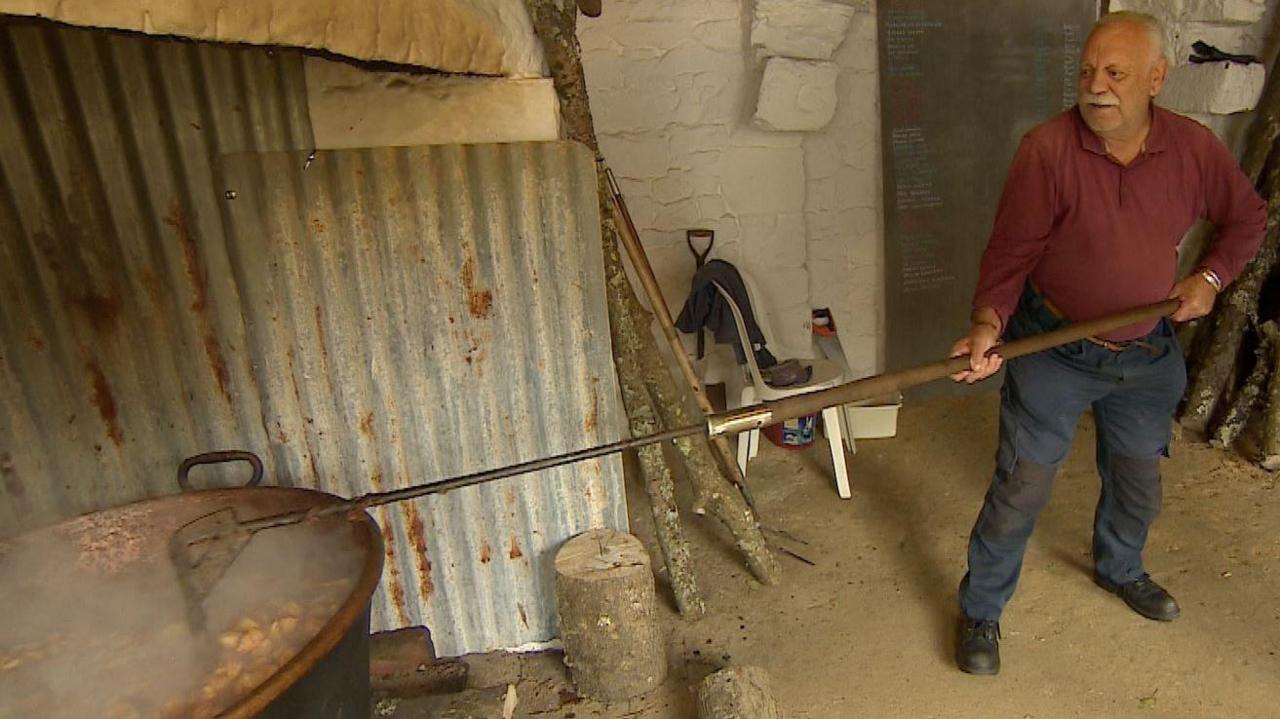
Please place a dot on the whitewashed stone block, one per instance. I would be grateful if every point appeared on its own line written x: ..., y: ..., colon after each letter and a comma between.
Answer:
x: 796, y: 95
x: 1236, y: 12
x: 1218, y: 88
x: 807, y: 29
x: 1240, y: 12
x: 1227, y: 38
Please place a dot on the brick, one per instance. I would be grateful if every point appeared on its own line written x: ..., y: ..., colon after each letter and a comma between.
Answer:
x: 444, y: 676
x: 400, y: 651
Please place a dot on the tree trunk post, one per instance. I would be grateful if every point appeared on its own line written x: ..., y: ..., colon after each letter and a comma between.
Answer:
x: 606, y: 607
x: 648, y: 390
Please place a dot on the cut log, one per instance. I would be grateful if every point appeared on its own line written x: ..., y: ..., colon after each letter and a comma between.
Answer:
x: 1263, y: 132
x: 737, y: 693
x: 1235, y: 308
x: 630, y: 238
x: 1265, y: 128
x: 606, y: 607
x: 1246, y: 400
x: 648, y: 392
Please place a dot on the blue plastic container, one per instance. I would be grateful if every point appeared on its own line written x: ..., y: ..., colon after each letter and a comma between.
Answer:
x: 792, y: 433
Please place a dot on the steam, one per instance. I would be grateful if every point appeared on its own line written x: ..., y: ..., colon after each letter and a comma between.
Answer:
x: 86, y: 634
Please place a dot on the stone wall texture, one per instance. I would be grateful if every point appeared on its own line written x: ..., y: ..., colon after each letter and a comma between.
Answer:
x: 673, y: 86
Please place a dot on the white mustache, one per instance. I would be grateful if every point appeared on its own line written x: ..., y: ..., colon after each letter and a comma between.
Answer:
x: 1107, y: 100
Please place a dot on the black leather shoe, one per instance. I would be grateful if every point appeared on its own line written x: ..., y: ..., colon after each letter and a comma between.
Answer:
x: 1145, y: 597
x: 978, y: 646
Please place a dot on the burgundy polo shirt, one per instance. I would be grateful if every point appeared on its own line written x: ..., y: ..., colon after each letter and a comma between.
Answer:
x: 1098, y: 237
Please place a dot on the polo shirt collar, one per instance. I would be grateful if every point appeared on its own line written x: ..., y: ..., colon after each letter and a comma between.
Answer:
x: 1157, y: 137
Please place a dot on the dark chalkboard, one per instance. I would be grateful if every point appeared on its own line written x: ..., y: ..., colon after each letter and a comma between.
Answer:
x: 960, y: 82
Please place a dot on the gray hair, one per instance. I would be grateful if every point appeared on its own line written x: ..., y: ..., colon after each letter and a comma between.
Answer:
x: 1155, y: 30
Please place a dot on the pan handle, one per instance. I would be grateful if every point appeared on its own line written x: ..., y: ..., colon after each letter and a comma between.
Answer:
x: 230, y: 455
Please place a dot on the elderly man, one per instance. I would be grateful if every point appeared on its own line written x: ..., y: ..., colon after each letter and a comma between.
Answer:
x: 1094, y: 206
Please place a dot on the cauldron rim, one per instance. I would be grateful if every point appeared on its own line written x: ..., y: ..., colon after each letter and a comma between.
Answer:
x: 357, y: 603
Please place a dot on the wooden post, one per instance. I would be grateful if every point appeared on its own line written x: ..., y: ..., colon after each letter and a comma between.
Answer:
x: 1270, y: 459
x: 1237, y: 305
x: 737, y: 693
x: 605, y: 603
x: 630, y: 238
x: 1246, y: 400
x: 648, y: 392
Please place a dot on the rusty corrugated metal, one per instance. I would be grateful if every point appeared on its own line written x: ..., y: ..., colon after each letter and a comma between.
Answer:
x: 427, y: 312
x: 377, y: 318
x: 121, y: 333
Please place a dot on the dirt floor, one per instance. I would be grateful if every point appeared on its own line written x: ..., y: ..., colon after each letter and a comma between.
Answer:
x: 868, y: 630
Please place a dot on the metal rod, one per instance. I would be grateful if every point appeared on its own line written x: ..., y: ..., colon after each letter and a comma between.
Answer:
x: 735, y: 420
x: 397, y: 495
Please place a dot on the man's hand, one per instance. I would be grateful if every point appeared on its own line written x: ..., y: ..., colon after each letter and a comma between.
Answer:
x: 1197, y: 297
x: 982, y: 336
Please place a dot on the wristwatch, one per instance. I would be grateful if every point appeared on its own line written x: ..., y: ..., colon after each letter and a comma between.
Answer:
x: 1212, y: 278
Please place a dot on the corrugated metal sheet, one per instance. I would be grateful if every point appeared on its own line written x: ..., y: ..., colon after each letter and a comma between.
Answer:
x: 375, y: 318
x: 427, y: 312
x: 121, y: 333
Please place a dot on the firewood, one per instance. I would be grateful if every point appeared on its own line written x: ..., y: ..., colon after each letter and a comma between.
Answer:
x: 1247, y: 399
x: 737, y: 693
x: 606, y: 607
x: 649, y: 394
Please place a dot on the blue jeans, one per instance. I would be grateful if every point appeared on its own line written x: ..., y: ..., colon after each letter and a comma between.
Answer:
x: 1133, y: 393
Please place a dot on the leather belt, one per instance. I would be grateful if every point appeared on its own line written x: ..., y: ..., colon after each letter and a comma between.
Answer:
x: 1105, y: 344
x: 1122, y: 346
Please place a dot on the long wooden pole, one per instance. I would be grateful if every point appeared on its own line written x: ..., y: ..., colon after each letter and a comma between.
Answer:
x: 888, y: 383
x: 630, y: 237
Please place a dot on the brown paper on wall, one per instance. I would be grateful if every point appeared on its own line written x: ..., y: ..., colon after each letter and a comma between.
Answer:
x: 488, y: 37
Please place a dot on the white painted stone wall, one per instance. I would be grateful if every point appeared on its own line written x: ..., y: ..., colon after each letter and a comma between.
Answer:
x: 1234, y: 26
x: 672, y: 86
x: 843, y: 206
x: 796, y: 95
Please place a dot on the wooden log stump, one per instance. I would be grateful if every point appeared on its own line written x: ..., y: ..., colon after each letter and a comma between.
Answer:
x: 606, y: 605
x: 737, y: 693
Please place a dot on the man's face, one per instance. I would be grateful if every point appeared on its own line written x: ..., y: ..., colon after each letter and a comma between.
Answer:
x: 1119, y: 74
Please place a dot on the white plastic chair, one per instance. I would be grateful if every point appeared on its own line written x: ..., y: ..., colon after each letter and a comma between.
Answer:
x: 754, y: 389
